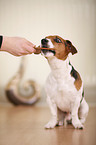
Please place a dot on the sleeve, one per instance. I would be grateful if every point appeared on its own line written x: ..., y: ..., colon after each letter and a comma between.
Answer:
x: 1, y: 39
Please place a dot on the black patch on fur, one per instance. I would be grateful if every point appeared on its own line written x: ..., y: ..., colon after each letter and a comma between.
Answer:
x: 73, y: 72
x: 82, y: 96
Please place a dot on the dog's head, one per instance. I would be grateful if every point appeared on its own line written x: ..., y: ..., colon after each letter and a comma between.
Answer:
x: 58, y: 47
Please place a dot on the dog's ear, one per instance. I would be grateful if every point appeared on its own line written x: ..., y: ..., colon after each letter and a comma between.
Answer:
x: 71, y: 48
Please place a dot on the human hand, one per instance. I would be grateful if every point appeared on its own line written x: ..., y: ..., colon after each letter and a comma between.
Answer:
x: 17, y: 46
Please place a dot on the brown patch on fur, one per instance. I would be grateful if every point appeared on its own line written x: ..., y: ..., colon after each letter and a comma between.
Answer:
x: 76, y: 76
x: 78, y: 83
x: 63, y: 48
x: 60, y: 49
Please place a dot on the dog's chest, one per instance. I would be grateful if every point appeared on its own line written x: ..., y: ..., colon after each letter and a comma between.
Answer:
x: 61, y: 91
x: 60, y: 86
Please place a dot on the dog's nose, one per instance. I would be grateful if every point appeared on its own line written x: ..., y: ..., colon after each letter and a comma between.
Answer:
x: 44, y: 41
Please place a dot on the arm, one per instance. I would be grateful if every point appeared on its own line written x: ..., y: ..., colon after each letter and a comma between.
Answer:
x: 16, y: 46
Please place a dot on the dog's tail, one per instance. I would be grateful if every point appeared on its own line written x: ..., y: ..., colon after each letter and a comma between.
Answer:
x: 27, y: 94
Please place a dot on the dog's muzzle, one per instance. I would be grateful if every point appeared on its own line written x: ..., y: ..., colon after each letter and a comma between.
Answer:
x: 44, y: 43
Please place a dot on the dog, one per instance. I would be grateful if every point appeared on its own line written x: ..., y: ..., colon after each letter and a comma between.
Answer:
x: 64, y: 86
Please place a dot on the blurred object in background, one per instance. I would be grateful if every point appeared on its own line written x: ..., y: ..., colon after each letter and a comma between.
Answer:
x: 28, y: 94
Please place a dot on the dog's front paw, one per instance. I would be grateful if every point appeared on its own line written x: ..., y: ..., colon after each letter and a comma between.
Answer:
x: 51, y: 124
x: 77, y: 124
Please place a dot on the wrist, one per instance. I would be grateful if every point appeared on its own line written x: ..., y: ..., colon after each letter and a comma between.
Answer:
x: 4, y: 45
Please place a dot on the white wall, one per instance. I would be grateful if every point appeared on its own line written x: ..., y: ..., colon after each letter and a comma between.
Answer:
x: 34, y: 19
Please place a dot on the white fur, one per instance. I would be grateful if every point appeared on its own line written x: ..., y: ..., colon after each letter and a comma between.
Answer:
x: 50, y: 45
x: 62, y: 93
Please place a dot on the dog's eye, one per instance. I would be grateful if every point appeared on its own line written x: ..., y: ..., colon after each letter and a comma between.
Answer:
x: 57, y: 40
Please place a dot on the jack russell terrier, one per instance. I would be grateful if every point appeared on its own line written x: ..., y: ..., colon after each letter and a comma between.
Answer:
x: 64, y: 87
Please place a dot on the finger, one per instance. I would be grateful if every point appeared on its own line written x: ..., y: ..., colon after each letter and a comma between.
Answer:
x: 38, y: 50
x: 30, y: 44
x: 30, y: 49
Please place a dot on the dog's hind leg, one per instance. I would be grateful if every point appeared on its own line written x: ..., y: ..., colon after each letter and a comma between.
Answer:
x: 75, y: 119
x: 83, y: 111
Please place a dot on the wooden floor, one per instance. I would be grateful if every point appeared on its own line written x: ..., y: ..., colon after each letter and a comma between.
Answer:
x: 25, y: 126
